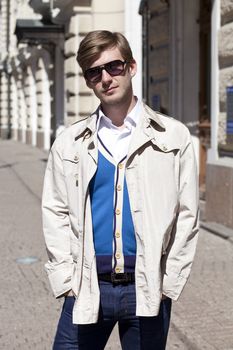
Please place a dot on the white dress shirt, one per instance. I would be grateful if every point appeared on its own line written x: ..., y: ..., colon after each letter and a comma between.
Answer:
x: 117, y: 139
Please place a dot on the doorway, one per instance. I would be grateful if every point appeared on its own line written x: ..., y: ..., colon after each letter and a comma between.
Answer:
x: 204, y: 88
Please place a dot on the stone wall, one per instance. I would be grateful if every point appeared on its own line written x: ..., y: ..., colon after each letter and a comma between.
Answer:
x: 219, y: 194
x: 225, y: 63
x: 219, y: 183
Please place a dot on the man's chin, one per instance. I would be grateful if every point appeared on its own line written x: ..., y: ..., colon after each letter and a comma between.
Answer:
x: 112, y: 99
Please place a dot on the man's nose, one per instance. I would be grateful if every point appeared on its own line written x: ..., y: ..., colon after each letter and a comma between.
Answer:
x: 106, y: 77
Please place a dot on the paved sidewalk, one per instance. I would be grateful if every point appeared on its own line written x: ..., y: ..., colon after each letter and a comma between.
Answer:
x: 201, y: 320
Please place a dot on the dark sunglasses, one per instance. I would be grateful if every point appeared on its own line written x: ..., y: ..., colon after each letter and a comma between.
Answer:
x: 94, y: 75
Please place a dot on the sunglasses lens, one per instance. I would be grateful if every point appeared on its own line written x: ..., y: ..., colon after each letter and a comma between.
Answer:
x: 93, y: 75
x: 115, y: 67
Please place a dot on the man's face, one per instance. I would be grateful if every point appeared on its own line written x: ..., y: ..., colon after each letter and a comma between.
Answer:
x: 112, y: 90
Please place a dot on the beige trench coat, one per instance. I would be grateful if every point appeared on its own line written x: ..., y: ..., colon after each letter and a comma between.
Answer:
x: 162, y: 183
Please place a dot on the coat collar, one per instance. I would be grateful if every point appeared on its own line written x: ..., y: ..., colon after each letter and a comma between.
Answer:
x: 152, y: 127
x: 88, y: 126
x: 149, y: 118
x: 153, y: 117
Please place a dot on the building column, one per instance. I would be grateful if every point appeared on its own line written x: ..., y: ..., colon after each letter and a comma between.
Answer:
x: 4, y: 104
x: 22, y: 108
x: 14, y: 107
x: 59, y: 95
x: 133, y: 33
x: 31, y: 102
x: 43, y: 105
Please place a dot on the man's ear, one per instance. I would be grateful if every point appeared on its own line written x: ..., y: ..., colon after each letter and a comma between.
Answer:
x: 133, y: 67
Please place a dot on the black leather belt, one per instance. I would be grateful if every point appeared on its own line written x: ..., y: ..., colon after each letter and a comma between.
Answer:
x: 117, y: 278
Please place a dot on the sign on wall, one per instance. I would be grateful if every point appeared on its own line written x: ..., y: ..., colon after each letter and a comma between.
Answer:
x: 229, y: 91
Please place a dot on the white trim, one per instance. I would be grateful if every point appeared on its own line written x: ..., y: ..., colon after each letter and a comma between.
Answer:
x: 212, y: 155
x: 133, y: 33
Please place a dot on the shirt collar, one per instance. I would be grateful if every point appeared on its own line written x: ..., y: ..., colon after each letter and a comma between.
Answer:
x: 130, y: 120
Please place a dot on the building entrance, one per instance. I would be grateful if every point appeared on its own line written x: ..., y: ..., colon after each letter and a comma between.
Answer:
x: 204, y: 88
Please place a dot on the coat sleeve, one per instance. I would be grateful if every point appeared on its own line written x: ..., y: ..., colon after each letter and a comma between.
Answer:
x: 56, y: 225
x: 177, y: 261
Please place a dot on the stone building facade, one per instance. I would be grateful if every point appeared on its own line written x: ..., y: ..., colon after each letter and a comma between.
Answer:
x: 219, y: 178
x: 188, y: 72
x: 171, y: 60
x: 42, y: 89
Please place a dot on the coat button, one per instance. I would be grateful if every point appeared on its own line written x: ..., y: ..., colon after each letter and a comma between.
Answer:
x: 117, y: 269
x: 118, y: 211
x: 118, y: 255
x: 164, y: 148
x: 76, y: 158
x: 87, y: 135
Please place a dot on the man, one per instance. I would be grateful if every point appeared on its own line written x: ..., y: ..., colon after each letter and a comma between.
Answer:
x: 120, y: 210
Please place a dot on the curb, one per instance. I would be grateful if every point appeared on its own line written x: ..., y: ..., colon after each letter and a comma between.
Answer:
x: 218, y: 230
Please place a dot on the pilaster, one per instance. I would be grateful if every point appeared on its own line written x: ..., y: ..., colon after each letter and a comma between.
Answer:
x: 31, y: 103
x: 14, y: 107
x: 22, y: 107
x: 4, y: 102
x: 43, y: 103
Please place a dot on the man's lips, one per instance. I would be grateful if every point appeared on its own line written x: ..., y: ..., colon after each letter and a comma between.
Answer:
x: 109, y: 90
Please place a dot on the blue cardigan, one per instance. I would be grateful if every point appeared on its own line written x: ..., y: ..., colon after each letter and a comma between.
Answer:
x: 115, y: 249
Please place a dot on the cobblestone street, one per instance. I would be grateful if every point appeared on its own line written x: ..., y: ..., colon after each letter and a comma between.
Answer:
x: 201, y: 320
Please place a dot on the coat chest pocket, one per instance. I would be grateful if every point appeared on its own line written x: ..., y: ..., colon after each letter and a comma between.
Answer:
x: 71, y: 166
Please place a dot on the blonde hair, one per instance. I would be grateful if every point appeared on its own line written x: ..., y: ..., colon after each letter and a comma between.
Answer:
x: 98, y: 41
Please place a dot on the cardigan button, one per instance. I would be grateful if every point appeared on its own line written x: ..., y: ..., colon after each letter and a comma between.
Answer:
x: 117, y: 269
x: 119, y: 187
x: 118, y: 255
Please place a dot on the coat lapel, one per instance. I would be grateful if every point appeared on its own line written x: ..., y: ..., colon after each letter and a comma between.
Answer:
x: 148, y: 129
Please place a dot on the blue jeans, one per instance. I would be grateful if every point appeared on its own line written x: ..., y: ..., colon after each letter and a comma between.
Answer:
x: 118, y: 304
